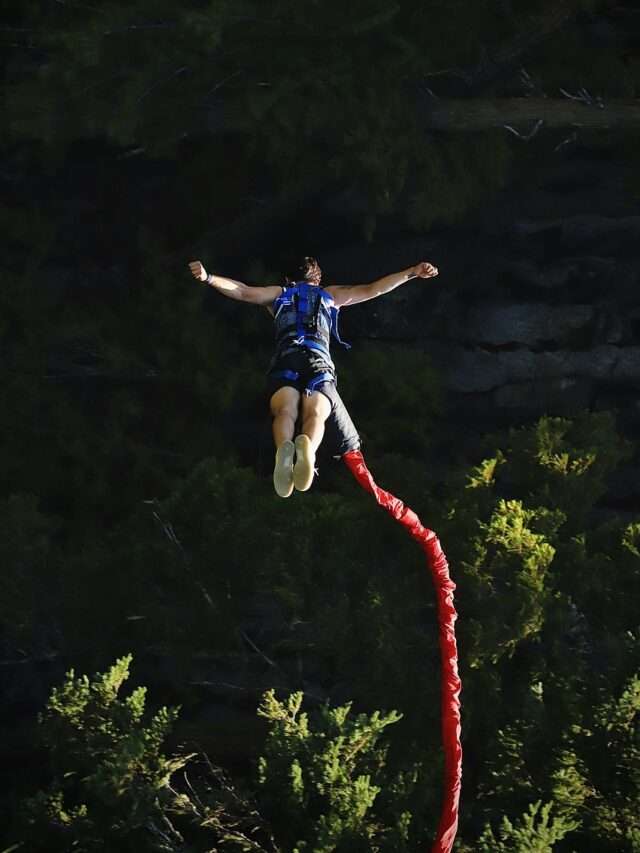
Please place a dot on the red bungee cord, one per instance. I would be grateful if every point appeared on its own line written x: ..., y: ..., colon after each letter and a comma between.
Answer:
x: 450, y: 688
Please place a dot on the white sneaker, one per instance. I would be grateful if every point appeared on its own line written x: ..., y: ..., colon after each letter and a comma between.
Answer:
x: 283, y: 471
x: 304, y: 468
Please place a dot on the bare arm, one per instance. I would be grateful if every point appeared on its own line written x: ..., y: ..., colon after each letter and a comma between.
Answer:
x: 351, y: 295
x: 235, y: 289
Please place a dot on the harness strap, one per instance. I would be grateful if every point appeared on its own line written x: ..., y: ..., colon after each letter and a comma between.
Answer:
x: 312, y: 384
x: 302, y: 301
x: 307, y: 342
x: 293, y: 375
x: 334, y: 327
x: 306, y: 296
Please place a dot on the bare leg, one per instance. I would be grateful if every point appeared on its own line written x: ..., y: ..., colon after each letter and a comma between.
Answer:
x: 316, y: 408
x: 284, y: 409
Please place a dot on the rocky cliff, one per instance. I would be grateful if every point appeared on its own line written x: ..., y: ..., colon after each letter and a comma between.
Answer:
x: 536, y: 309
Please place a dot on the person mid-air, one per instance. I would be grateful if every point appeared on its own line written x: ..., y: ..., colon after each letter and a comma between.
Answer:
x: 302, y: 375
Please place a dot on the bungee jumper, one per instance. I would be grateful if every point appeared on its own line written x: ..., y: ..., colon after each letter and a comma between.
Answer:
x: 302, y: 380
x: 302, y: 375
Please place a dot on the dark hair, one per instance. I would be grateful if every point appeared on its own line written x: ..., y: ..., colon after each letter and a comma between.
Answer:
x: 310, y: 270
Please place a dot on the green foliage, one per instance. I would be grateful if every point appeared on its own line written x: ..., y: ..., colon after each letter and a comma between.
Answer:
x: 321, y: 780
x: 512, y: 522
x: 571, y: 789
x: 609, y: 744
x: 537, y: 831
x: 180, y: 575
x: 108, y: 768
x: 548, y: 622
x: 631, y: 539
x: 510, y: 561
x: 564, y: 463
x: 604, y: 586
x: 112, y: 785
x: 484, y: 475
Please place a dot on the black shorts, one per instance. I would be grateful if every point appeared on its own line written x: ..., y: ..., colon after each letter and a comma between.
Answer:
x: 340, y: 432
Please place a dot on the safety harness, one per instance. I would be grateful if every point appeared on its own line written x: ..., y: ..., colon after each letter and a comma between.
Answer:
x: 306, y: 316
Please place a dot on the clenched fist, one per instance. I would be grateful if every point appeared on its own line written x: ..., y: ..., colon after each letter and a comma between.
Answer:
x: 425, y: 270
x: 198, y: 271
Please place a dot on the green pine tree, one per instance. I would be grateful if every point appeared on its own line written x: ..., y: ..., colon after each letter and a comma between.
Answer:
x: 321, y: 779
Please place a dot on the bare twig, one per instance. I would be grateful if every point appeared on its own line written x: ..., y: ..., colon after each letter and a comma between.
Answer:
x: 528, y: 136
x: 177, y: 836
x: 570, y: 139
x: 134, y: 152
x: 221, y: 83
x: 170, y: 533
x: 194, y: 793
x: 584, y: 97
x: 529, y: 84
x: 264, y: 657
x: 155, y: 830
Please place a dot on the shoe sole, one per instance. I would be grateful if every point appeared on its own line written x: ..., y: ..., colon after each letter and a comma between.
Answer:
x: 303, y: 470
x: 283, y: 471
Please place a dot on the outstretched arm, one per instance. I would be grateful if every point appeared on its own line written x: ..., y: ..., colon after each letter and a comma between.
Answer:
x: 235, y: 289
x: 351, y: 295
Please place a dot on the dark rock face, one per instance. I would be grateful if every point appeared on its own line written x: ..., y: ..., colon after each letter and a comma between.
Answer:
x: 536, y: 308
x: 478, y: 370
x: 528, y: 324
x: 610, y: 234
x: 562, y: 273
